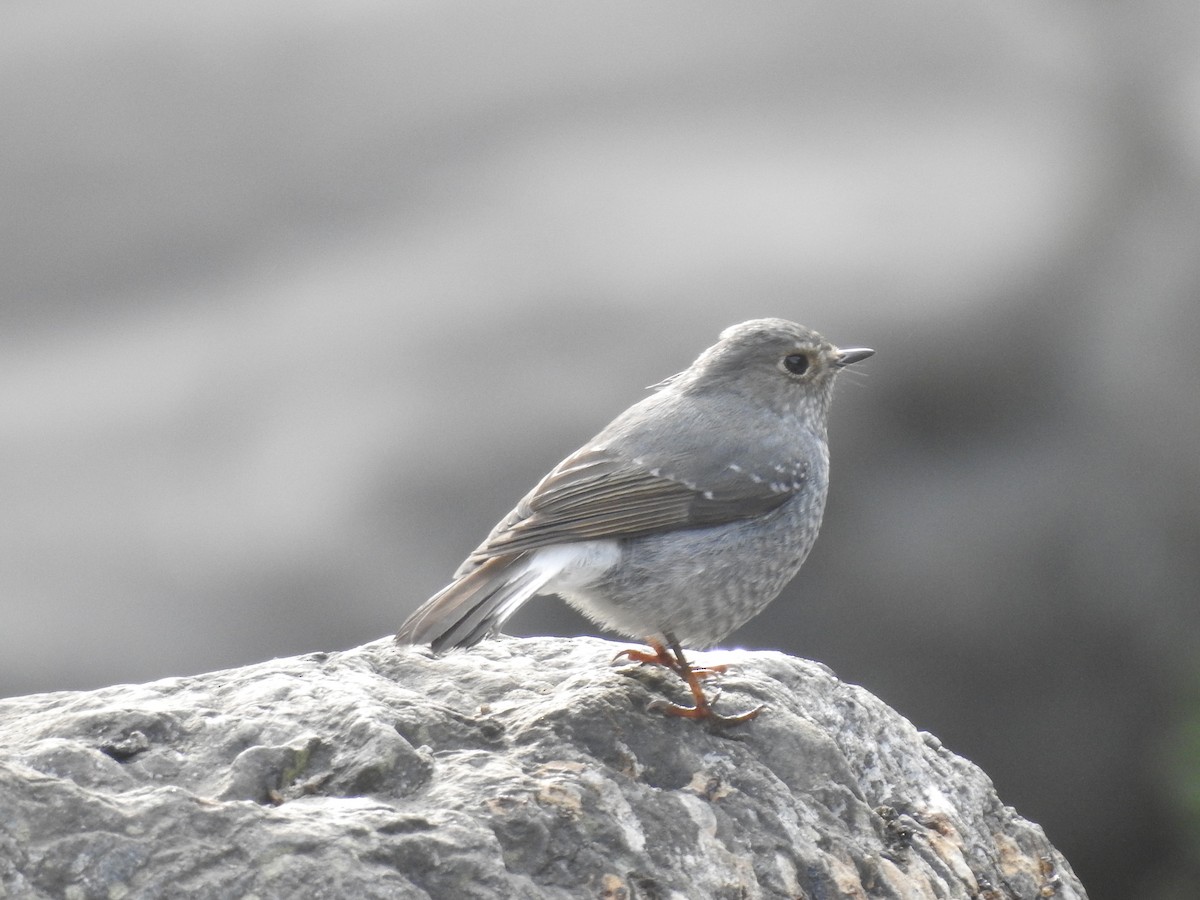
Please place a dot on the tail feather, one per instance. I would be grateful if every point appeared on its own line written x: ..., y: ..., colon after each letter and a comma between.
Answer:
x: 476, y: 605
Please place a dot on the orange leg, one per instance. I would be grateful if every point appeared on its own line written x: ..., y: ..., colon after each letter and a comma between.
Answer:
x: 663, y: 657
x: 674, y: 660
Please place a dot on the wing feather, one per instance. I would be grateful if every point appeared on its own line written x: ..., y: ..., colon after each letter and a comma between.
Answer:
x: 598, y: 493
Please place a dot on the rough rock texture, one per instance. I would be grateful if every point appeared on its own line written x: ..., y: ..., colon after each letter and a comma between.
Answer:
x: 522, y: 768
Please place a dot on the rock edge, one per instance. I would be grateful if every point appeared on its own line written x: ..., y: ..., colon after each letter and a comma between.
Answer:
x: 521, y: 768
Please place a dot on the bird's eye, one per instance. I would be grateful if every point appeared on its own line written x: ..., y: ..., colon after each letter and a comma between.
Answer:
x: 796, y: 363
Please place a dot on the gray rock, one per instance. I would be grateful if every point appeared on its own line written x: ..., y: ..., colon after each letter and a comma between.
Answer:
x: 522, y: 768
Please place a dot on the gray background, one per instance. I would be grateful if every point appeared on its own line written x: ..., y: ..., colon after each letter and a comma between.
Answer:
x: 299, y: 298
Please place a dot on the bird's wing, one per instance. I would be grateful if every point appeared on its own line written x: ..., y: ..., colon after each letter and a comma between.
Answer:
x: 599, y: 493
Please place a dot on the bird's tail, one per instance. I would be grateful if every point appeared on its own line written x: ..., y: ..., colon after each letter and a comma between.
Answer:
x: 475, y: 605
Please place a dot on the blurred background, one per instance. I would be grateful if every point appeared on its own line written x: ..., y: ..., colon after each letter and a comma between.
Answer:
x: 299, y: 298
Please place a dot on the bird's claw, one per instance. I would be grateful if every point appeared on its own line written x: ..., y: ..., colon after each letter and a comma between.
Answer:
x: 673, y: 659
x: 703, y: 711
x: 666, y: 661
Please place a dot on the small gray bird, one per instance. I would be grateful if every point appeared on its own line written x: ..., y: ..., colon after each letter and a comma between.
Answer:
x: 679, y: 521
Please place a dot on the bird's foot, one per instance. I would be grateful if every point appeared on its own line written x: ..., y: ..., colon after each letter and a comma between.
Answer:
x: 705, y: 711
x: 673, y: 659
x: 662, y: 657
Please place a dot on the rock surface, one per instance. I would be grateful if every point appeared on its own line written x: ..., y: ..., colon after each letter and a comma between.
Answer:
x: 522, y: 768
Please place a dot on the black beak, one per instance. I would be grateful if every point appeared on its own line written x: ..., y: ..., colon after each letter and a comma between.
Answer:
x: 858, y: 354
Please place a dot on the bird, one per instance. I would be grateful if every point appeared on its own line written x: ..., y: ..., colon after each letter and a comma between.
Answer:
x: 679, y: 521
